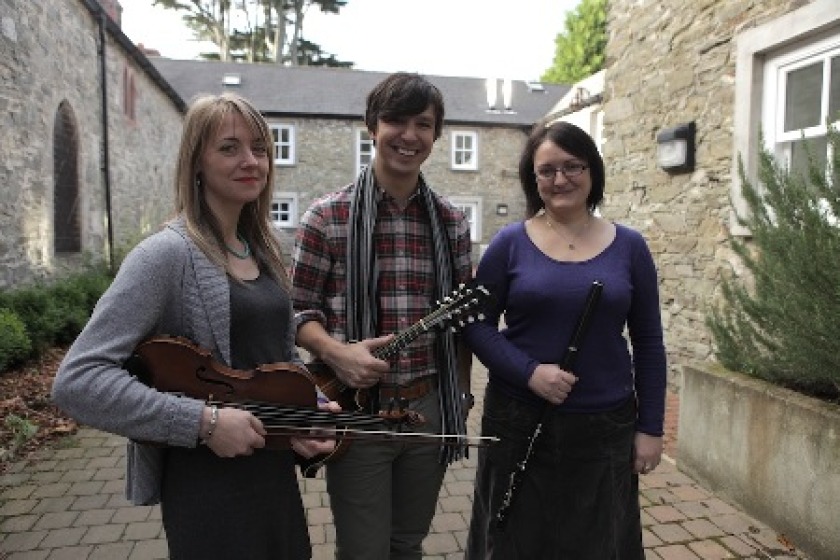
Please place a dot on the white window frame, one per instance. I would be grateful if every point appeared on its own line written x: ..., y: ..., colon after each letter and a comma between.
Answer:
x: 281, y: 144
x: 472, y: 206
x: 458, y: 149
x: 778, y: 68
x: 290, y: 198
x: 365, y: 150
x: 798, y: 29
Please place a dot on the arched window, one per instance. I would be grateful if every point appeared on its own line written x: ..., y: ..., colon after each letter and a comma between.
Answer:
x: 129, y: 94
x: 67, y: 236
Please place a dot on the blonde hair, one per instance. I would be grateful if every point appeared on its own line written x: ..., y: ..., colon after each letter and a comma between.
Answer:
x: 201, y: 124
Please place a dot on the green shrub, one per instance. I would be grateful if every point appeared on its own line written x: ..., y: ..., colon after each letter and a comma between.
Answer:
x: 41, y: 315
x: 781, y: 323
x: 14, y: 343
x: 75, y: 298
x: 54, y: 314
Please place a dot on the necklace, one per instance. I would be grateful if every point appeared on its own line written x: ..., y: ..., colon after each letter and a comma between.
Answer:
x: 571, y: 242
x: 245, y: 253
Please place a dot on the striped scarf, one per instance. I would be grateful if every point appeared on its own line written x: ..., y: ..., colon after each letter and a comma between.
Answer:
x: 362, y: 300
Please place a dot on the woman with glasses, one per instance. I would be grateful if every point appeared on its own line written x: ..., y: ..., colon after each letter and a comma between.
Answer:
x: 575, y: 434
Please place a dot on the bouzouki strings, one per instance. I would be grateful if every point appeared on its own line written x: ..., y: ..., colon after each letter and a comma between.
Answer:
x: 456, y: 310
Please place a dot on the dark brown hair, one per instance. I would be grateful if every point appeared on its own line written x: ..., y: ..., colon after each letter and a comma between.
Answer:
x: 402, y: 95
x: 571, y: 139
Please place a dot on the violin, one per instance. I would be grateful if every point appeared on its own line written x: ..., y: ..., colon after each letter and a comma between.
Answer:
x: 281, y: 395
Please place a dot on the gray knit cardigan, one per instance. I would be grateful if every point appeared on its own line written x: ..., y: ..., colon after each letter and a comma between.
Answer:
x: 166, y: 285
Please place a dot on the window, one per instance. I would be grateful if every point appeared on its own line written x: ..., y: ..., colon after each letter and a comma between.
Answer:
x: 129, y: 94
x: 802, y: 92
x: 284, y: 210
x: 464, y: 150
x: 284, y: 144
x: 365, y: 150
x: 67, y: 237
x: 787, y: 82
x: 471, y: 206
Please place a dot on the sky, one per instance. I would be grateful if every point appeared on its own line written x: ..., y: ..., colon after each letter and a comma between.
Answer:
x: 474, y: 38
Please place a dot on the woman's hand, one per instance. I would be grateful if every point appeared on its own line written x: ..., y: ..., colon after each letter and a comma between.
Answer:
x: 236, y: 432
x: 647, y: 453
x: 552, y: 383
x: 309, y: 447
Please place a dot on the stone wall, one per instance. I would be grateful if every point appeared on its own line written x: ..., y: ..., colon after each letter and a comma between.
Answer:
x: 672, y: 62
x: 49, y: 56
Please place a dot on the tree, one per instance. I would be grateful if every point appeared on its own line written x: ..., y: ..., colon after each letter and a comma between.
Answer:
x: 257, y: 30
x: 580, y: 49
x: 780, y: 321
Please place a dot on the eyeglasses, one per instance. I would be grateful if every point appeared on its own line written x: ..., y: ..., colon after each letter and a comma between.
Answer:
x: 549, y: 173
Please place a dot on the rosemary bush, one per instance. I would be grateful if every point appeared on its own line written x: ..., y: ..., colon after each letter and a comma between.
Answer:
x: 781, y: 322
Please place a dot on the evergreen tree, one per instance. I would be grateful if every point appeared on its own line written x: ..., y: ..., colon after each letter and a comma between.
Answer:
x: 782, y: 323
x: 580, y: 49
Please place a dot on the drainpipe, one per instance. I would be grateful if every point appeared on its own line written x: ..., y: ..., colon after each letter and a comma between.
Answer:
x: 105, y: 166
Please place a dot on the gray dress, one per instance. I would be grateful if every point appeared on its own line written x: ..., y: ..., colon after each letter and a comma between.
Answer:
x: 168, y: 286
x: 246, y: 507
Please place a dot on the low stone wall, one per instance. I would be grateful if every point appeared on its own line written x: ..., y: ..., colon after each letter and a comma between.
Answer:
x: 771, y: 451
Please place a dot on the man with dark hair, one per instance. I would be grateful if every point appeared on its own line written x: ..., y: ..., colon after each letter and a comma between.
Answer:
x: 370, y: 260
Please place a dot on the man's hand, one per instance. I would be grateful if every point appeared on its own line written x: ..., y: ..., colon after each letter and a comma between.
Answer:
x: 312, y: 446
x: 355, y: 365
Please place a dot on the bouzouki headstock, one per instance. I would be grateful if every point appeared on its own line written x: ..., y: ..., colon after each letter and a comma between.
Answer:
x: 464, y: 305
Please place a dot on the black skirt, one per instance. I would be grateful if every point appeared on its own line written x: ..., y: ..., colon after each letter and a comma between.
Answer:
x: 244, y: 507
x: 577, y: 498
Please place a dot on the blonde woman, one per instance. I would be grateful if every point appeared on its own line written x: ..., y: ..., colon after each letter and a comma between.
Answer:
x: 213, y: 275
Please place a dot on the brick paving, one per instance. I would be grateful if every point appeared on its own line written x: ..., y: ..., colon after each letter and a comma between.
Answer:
x: 68, y: 503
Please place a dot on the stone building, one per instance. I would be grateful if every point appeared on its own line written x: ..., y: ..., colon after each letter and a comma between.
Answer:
x: 727, y: 69
x: 321, y: 143
x: 91, y: 128
x: 87, y: 142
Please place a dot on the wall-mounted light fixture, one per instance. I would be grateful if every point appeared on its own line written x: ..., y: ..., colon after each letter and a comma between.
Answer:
x: 675, y: 148
x: 501, y: 209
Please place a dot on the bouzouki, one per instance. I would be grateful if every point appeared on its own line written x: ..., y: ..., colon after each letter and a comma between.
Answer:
x: 462, y: 306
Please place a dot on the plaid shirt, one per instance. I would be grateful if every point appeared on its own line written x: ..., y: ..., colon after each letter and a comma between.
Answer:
x: 405, y: 285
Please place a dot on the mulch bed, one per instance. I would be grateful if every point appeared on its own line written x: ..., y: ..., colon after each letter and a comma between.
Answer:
x: 25, y: 395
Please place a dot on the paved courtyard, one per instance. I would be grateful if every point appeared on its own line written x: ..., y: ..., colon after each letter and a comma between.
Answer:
x: 68, y: 504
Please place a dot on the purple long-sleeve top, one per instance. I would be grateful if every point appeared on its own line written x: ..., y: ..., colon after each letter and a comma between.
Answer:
x: 541, y: 298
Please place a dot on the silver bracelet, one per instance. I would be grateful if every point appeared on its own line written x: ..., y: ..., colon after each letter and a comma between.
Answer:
x: 214, y: 417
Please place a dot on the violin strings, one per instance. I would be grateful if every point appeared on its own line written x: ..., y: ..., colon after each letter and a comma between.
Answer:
x: 304, y: 416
